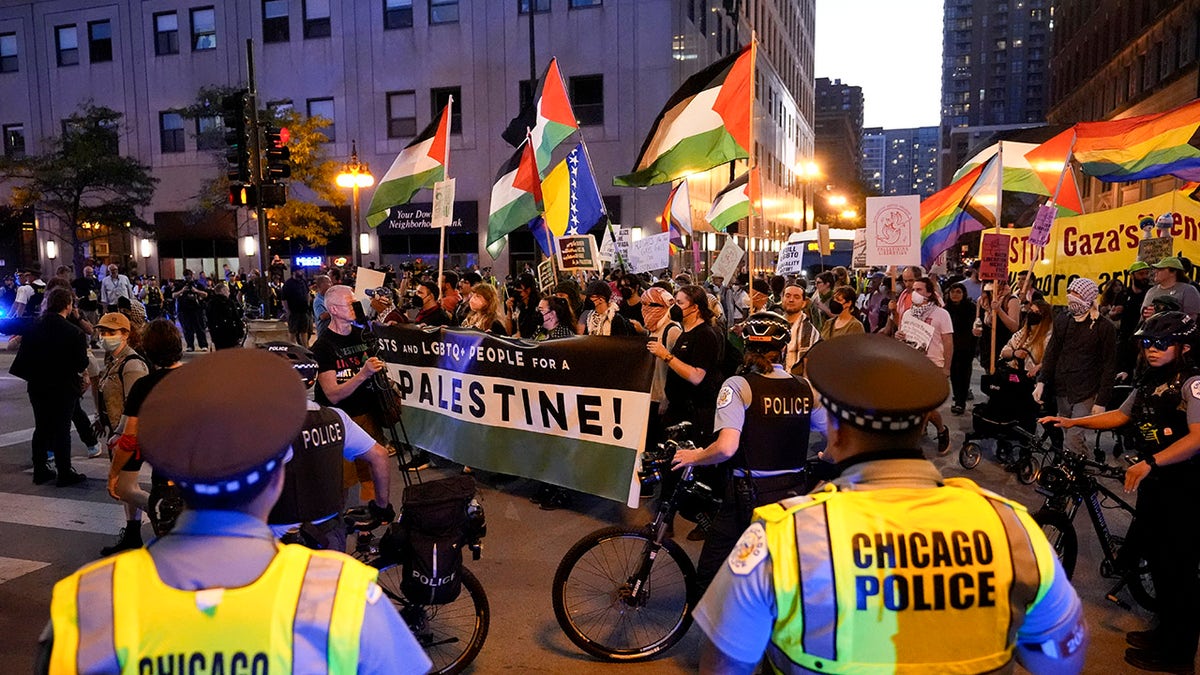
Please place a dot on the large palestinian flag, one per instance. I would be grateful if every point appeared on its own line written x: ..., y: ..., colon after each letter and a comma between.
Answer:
x: 420, y: 164
x: 516, y: 195
x: 705, y: 123
x: 548, y: 120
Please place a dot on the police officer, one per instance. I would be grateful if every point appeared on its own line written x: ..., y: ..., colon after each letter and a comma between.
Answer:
x: 890, y: 568
x: 1165, y: 410
x: 309, y: 509
x: 762, y: 424
x: 219, y: 593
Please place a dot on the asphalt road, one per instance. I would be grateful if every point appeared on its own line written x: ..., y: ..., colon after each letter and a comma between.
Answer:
x: 46, y: 532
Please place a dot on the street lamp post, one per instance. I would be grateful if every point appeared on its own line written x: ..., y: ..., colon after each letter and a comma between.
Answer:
x: 355, y: 175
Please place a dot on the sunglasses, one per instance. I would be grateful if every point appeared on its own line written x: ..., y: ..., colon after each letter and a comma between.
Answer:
x: 655, y: 304
x: 1161, y: 344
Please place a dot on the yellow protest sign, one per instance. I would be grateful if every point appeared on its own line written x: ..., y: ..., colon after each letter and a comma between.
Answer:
x: 1101, y: 246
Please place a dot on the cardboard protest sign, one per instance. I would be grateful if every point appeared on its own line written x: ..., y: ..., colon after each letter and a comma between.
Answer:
x: 726, y: 264
x: 791, y: 258
x: 893, y: 231
x: 650, y: 253
x: 578, y: 252
x: 993, y: 256
x: 366, y: 278
x: 1154, y: 249
x: 917, y: 334
x: 1042, y: 222
x: 545, y: 272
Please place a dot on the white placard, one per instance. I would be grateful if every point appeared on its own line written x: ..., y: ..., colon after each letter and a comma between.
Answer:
x: 859, y: 259
x: 650, y: 253
x: 894, y: 230
x: 443, y: 203
x: 366, y: 278
x: 622, y: 244
x: 917, y: 333
x: 791, y: 258
x: 726, y: 264
x: 608, y: 248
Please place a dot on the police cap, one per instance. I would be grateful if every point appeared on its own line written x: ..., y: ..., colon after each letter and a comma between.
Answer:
x: 875, y: 383
x: 224, y: 421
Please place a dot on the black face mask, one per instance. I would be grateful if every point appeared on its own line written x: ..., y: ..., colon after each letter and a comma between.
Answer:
x: 836, y: 307
x: 676, y: 313
x: 626, y: 292
x: 1033, y: 319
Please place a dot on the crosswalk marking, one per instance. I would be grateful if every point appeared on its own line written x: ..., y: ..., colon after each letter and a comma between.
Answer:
x: 18, y: 437
x: 11, y: 568
x: 61, y: 513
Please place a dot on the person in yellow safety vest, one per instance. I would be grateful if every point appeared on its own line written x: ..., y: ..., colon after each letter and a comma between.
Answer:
x: 891, y: 568
x: 219, y: 594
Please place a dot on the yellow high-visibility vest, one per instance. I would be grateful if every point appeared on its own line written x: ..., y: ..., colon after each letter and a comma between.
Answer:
x: 303, y: 614
x: 902, y: 580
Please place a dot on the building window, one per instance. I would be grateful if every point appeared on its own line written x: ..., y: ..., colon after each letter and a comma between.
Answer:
x: 316, y: 19
x: 67, y: 41
x: 100, y: 41
x: 323, y: 107
x: 275, y: 21
x: 210, y: 132
x: 111, y: 143
x: 587, y: 97
x: 402, y: 114
x: 170, y: 131
x: 8, y: 53
x: 576, y: 4
x: 397, y: 14
x: 438, y: 98
x: 539, y: 6
x: 166, y: 33
x: 525, y: 91
x: 204, y: 29
x: 443, y: 11
x: 14, y: 140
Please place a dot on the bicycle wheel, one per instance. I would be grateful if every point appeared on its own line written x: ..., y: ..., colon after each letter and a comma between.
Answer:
x: 592, y: 595
x: 1027, y: 470
x: 969, y: 455
x: 1061, y: 534
x: 451, y: 634
x: 1141, y: 586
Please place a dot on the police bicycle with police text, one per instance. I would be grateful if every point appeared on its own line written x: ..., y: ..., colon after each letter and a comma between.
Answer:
x: 1070, y: 480
x: 627, y: 593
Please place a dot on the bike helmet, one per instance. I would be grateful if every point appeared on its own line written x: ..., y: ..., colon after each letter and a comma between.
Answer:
x: 301, y: 358
x: 766, y: 331
x: 1176, y: 326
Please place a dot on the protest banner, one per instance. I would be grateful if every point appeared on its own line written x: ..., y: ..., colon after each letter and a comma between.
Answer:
x: 791, y: 258
x: 577, y: 252
x: 726, y: 264
x: 893, y: 230
x: 1154, y: 249
x: 650, y: 253
x: 571, y: 412
x: 546, y: 282
x: 993, y: 256
x: 1101, y: 246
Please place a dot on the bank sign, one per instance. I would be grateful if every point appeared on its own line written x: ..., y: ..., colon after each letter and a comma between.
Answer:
x: 417, y: 217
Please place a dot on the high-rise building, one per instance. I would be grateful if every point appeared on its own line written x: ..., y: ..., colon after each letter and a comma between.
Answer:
x: 839, y: 131
x: 900, y: 161
x: 380, y: 70
x: 1122, y: 58
x: 995, y: 55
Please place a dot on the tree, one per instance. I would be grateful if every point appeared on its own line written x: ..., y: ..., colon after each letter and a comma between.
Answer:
x: 313, y: 179
x: 82, y: 180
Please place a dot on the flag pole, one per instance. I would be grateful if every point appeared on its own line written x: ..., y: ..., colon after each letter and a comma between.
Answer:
x: 995, y: 286
x: 587, y: 157
x: 752, y: 162
x: 1062, y: 176
x: 448, y: 112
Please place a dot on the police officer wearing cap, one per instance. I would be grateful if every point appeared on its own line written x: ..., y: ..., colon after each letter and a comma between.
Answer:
x: 1164, y: 408
x: 890, y: 568
x: 310, y: 507
x: 762, y: 424
x: 219, y: 593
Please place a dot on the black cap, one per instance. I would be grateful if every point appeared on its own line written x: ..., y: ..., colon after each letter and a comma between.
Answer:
x: 600, y: 288
x: 875, y: 383
x: 224, y: 421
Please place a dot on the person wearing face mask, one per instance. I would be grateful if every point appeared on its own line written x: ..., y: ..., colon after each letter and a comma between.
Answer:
x: 841, y: 312
x: 603, y: 318
x: 656, y: 303
x: 962, y: 317
x: 927, y: 308
x: 630, y: 288
x: 122, y: 368
x: 1080, y: 360
x: 1028, y: 345
x: 556, y: 319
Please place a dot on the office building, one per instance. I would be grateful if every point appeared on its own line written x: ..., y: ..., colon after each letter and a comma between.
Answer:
x: 900, y: 161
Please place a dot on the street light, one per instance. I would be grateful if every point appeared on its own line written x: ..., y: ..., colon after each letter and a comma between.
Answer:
x: 355, y: 175
x: 807, y: 172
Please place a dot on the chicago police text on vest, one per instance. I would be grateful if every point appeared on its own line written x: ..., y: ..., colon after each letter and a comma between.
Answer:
x: 200, y: 663
x: 925, y: 571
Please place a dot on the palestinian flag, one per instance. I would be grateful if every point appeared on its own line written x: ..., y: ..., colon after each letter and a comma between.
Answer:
x: 735, y: 201
x: 705, y: 123
x: 516, y: 195
x: 419, y: 165
x: 549, y: 120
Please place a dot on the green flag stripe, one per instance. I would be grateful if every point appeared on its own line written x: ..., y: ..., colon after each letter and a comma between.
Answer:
x: 552, y: 135
x: 401, y: 191
x: 731, y: 215
x: 511, y: 216
x: 691, y: 155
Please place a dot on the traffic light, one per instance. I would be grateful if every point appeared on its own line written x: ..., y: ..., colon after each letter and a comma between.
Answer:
x: 279, y: 156
x: 235, y: 115
x: 273, y: 195
x: 243, y: 195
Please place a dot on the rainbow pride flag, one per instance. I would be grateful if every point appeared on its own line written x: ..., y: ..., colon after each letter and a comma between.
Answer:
x: 967, y: 205
x: 1148, y: 146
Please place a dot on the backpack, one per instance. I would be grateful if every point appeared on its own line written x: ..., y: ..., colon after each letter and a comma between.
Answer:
x: 429, y: 536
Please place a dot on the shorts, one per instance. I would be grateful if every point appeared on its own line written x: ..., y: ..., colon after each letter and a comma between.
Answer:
x: 300, y: 322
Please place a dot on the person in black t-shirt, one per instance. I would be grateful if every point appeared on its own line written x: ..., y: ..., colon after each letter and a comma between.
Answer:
x: 692, y: 375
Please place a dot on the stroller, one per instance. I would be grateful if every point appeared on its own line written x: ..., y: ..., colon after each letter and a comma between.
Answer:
x: 1010, y: 418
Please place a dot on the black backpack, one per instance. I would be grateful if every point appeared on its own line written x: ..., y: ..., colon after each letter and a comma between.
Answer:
x: 428, y: 538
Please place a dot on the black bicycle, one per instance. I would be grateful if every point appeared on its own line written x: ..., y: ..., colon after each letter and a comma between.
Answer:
x: 615, y: 594
x: 1070, y: 480
x: 451, y: 634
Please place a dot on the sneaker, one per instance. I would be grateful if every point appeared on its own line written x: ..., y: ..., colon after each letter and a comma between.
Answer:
x: 559, y: 499
x: 1145, y: 659
x: 943, y: 440
x: 93, y: 451
x: 69, y: 478
x: 1141, y: 639
x: 43, y: 475
x: 957, y: 409
x: 49, y: 456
